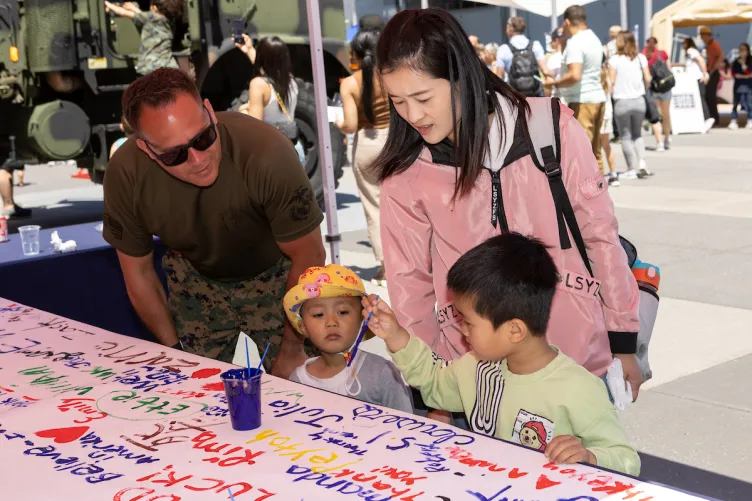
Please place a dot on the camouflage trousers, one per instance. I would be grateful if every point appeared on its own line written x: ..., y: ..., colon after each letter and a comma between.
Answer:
x: 209, y: 315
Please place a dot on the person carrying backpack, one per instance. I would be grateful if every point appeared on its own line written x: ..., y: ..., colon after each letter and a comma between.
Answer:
x: 522, y: 60
x: 452, y: 178
x: 661, y: 82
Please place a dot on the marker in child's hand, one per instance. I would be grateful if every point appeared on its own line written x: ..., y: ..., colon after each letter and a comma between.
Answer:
x: 362, y: 333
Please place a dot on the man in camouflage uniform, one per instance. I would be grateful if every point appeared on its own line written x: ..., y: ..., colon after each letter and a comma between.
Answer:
x: 227, y: 194
x: 156, y: 27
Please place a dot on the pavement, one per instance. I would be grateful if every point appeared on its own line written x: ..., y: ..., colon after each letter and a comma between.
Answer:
x: 693, y: 219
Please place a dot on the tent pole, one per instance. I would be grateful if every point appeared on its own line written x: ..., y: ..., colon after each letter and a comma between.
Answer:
x: 554, y: 16
x: 623, y: 14
x: 648, y: 16
x: 322, y: 121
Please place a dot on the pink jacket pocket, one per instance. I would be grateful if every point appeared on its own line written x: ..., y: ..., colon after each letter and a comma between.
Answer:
x: 593, y: 186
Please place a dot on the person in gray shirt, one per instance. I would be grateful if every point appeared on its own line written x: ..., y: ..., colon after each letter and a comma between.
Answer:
x: 325, y: 308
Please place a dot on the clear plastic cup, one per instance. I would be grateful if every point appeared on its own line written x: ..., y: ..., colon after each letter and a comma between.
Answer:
x: 30, y: 239
x: 243, y: 390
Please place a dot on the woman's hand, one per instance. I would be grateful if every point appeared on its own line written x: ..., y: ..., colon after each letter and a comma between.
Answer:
x: 384, y: 323
x: 244, y: 108
x: 566, y: 449
x: 247, y: 48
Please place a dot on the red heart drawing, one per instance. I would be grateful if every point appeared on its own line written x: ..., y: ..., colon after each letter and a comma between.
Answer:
x: 205, y: 373
x: 213, y: 387
x: 63, y: 435
x: 544, y: 483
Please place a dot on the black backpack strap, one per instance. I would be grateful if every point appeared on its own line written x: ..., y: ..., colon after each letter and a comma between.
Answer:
x: 550, y: 163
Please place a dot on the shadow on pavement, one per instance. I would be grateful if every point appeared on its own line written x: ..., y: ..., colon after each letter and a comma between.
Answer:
x: 365, y: 274
x: 63, y: 213
x: 695, y: 480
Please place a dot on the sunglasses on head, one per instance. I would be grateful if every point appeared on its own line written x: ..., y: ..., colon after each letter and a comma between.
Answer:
x: 179, y: 154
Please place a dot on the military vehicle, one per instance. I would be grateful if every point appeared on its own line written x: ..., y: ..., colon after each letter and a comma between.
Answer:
x: 64, y: 65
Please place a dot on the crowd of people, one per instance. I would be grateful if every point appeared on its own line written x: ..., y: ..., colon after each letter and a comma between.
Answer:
x: 616, y: 85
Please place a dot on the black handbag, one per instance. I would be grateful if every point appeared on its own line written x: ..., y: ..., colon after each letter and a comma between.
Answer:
x: 651, y: 110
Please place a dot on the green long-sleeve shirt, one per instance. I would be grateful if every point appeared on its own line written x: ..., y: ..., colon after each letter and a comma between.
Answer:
x: 560, y: 399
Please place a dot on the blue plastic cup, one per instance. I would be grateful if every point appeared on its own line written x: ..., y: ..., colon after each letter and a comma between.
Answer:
x: 243, y: 390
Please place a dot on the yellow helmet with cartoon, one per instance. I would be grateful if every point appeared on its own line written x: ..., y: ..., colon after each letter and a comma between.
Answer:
x: 317, y: 282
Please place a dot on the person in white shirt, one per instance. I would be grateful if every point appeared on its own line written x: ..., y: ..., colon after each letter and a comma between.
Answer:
x: 555, y: 58
x: 695, y: 66
x: 610, y: 47
x: 524, y: 82
x: 580, y: 86
x: 629, y: 74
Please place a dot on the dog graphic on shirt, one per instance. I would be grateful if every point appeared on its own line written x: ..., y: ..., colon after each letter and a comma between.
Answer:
x: 532, y: 431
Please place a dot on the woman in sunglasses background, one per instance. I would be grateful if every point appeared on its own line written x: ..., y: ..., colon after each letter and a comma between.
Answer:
x: 228, y: 197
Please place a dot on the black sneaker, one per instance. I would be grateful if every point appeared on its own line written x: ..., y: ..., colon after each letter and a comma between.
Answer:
x: 613, y: 180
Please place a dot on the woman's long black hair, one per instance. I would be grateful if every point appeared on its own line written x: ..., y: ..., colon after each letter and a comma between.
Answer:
x: 431, y: 41
x: 273, y: 56
x: 748, y: 62
x: 364, y: 47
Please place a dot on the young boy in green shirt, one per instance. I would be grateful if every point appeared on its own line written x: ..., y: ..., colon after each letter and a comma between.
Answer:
x: 512, y: 385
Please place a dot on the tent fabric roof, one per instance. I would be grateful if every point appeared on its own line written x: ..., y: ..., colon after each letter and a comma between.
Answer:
x: 685, y: 13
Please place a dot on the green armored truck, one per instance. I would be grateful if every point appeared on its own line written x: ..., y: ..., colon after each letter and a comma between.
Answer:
x: 64, y: 65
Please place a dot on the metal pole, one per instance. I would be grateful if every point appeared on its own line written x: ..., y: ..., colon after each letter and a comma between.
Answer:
x: 648, y: 17
x: 424, y: 4
x: 512, y: 11
x: 554, y: 16
x: 623, y: 14
x: 322, y: 121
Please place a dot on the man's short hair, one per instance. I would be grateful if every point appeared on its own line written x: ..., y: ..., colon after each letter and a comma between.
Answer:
x: 614, y: 30
x: 156, y: 90
x: 518, y: 25
x: 371, y: 21
x: 506, y: 277
x: 576, y: 14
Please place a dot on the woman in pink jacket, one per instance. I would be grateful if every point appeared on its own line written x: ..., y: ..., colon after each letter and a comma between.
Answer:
x: 458, y: 171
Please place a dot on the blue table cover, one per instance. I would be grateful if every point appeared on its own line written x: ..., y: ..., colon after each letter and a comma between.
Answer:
x: 85, y: 285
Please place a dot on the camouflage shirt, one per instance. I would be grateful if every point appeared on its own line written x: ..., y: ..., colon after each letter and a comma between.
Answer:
x: 156, y: 42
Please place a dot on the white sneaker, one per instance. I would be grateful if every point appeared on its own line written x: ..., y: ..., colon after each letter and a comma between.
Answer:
x: 708, y: 125
x: 749, y: 124
x: 613, y: 180
x: 643, y: 172
x: 733, y: 125
x: 630, y: 174
x: 660, y: 147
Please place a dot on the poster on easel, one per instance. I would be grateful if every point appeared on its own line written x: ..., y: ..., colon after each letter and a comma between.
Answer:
x: 686, y: 105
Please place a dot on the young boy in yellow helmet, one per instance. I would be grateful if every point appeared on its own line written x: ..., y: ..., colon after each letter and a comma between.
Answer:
x: 325, y: 307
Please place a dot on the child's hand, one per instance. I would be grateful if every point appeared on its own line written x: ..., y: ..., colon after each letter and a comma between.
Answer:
x: 384, y: 324
x: 566, y: 449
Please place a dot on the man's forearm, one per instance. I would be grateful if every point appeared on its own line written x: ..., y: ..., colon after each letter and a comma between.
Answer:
x: 150, y: 302
x: 291, y: 341
x: 567, y: 80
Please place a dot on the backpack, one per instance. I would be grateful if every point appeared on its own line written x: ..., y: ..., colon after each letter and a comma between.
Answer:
x: 662, y: 77
x: 543, y: 138
x: 523, y: 70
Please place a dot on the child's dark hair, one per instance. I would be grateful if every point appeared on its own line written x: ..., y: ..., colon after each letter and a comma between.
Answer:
x: 171, y: 9
x: 506, y: 277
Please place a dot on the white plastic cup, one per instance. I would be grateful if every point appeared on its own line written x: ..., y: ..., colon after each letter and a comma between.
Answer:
x: 30, y: 239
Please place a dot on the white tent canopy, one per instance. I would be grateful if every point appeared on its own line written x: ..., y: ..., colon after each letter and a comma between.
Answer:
x: 685, y: 13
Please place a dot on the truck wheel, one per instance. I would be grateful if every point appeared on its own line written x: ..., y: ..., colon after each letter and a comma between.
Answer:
x: 305, y: 115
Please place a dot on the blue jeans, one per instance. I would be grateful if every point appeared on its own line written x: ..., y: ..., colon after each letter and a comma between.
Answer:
x: 743, y: 99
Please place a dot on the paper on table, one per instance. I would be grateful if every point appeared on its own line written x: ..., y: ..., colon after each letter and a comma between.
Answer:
x: 239, y: 357
x: 59, y: 245
x: 335, y: 113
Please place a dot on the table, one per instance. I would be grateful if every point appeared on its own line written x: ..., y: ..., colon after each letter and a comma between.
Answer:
x: 100, y: 416
x: 85, y: 285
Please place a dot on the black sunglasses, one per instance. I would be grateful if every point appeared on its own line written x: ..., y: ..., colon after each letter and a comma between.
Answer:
x: 179, y: 154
